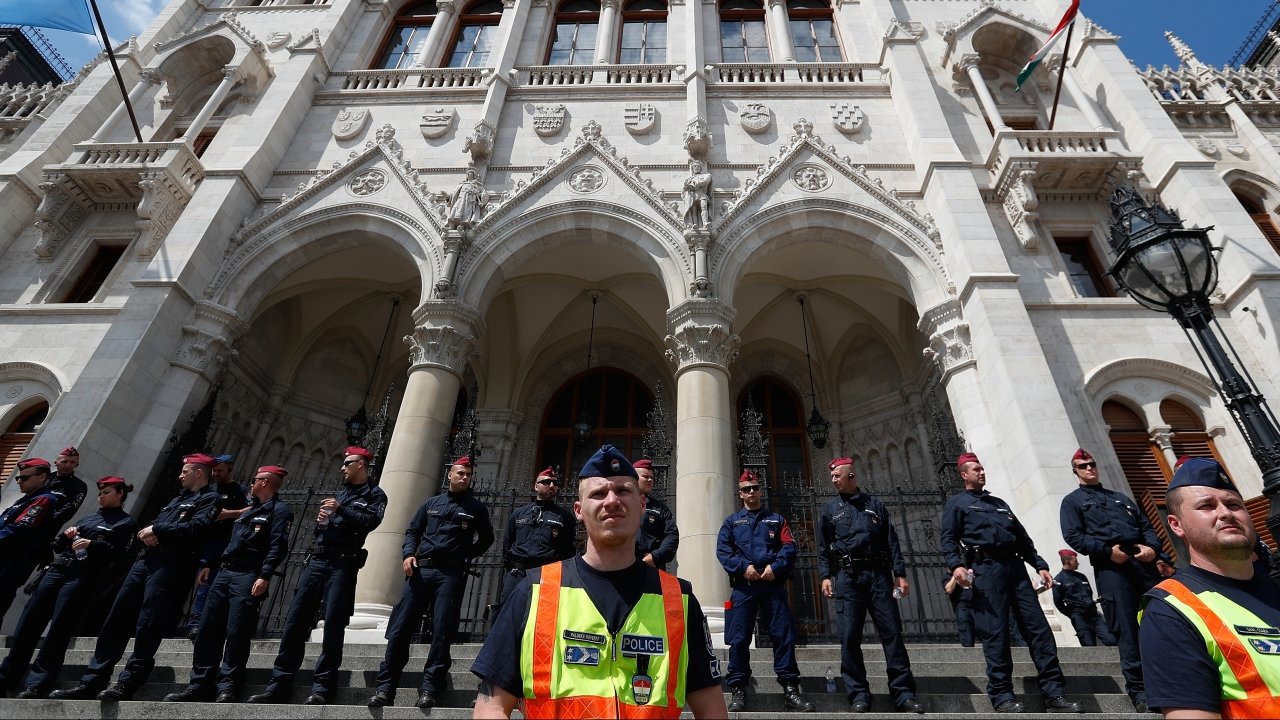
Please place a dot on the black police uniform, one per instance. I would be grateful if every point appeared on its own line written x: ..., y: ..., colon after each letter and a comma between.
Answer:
x: 658, y: 533
x: 1073, y: 596
x: 448, y: 530
x: 151, y: 596
x: 1093, y: 519
x: 980, y: 532
x: 329, y: 580
x: 24, y: 539
x: 233, y: 498
x: 858, y: 549
x: 759, y: 539
x: 538, y: 533
x: 72, y: 490
x: 60, y: 596
x: 259, y: 543
x: 962, y: 604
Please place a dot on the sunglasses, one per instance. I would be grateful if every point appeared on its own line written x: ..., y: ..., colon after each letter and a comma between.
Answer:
x: 749, y: 489
x: 1086, y: 466
x: 349, y: 462
x: 546, y: 482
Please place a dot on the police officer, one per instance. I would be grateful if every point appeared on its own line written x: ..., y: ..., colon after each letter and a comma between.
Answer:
x: 862, y: 568
x: 24, y: 528
x: 447, y: 532
x: 83, y: 552
x: 756, y: 548
x: 620, y: 638
x: 659, y: 537
x: 1073, y: 596
x: 152, y: 593
x: 1213, y: 626
x: 329, y: 580
x: 538, y: 533
x: 233, y: 502
x: 65, y: 483
x: 259, y: 543
x: 980, y: 533
x: 1114, y: 532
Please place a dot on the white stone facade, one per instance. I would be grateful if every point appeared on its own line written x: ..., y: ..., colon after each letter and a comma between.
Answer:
x: 889, y: 188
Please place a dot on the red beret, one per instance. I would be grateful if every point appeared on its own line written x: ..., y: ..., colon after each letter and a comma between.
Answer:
x: 110, y: 480
x: 464, y: 461
x: 1066, y: 552
x: 358, y: 451
x: 643, y: 464
x: 199, y: 459
x: 550, y: 472
x: 70, y: 451
x: 1181, y: 460
x: 966, y: 458
x: 274, y: 470
x: 33, y: 462
x: 838, y: 462
x: 748, y: 476
x: 1081, y: 454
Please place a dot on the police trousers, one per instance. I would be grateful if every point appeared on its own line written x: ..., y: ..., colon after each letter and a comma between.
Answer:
x: 57, y: 602
x: 330, y: 581
x: 767, y: 600
x: 441, y: 588
x: 226, y: 631
x: 1001, y: 590
x: 858, y: 593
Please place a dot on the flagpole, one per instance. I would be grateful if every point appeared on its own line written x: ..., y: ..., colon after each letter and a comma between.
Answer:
x: 1066, y: 49
x: 115, y: 68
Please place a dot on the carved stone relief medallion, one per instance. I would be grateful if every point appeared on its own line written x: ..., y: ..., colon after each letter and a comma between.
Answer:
x: 811, y: 178
x: 640, y: 117
x: 278, y: 39
x: 367, y: 182
x: 548, y: 120
x: 756, y: 117
x: 586, y: 179
x: 350, y: 122
x: 436, y: 121
x: 847, y: 117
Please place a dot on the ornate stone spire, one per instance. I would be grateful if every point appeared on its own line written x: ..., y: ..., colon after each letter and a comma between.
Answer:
x: 1183, y: 51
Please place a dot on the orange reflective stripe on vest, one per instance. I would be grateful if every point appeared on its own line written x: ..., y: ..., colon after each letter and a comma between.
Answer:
x: 1259, y: 703
x: 671, y: 600
x: 544, y: 635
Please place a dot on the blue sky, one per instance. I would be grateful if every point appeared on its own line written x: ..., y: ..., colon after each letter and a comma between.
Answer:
x: 1214, y: 30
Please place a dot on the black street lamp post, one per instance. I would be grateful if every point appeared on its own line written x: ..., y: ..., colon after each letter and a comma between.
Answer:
x: 1169, y: 268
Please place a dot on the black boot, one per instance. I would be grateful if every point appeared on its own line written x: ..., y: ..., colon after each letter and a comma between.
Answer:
x: 793, y: 700
x: 79, y: 692
x: 737, y: 699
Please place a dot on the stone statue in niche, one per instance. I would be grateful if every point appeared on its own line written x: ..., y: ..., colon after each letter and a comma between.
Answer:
x: 466, y: 206
x: 697, y: 197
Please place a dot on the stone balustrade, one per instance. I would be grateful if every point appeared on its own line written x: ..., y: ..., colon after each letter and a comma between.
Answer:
x: 110, y: 172
x: 1207, y: 84
x: 411, y: 79
x: 552, y: 75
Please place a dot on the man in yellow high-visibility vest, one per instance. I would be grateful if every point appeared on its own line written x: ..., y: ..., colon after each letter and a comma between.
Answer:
x: 601, y: 635
x: 1214, y: 625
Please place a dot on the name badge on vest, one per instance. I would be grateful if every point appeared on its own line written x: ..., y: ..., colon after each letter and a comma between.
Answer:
x: 1254, y: 630
x: 643, y: 645
x: 581, y: 655
x: 585, y: 637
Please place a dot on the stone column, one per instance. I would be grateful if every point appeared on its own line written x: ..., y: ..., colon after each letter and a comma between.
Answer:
x: 969, y: 64
x: 146, y: 79
x: 779, y: 26
x: 1085, y: 103
x: 441, y: 27
x: 442, y: 342
x: 230, y: 78
x: 702, y: 346
x: 607, y: 34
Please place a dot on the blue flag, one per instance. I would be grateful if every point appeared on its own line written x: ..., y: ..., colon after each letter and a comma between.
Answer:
x: 70, y: 15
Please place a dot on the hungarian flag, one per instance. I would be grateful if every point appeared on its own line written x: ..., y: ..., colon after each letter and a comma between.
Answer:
x: 70, y: 15
x: 1068, y: 18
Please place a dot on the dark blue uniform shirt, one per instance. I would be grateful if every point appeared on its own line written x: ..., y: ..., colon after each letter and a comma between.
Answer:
x: 360, y: 510
x: 1094, y: 518
x: 23, y: 525
x: 982, y: 520
x: 182, y: 523
x: 658, y: 534
x: 260, y: 538
x: 857, y: 526
x: 109, y: 532
x: 537, y: 534
x: 451, y: 527
x: 757, y: 538
x: 1072, y: 592
x: 230, y: 497
x: 71, y: 490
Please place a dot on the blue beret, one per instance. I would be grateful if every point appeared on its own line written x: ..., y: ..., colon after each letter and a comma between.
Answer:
x: 1203, y: 472
x: 608, y: 462
x: 225, y: 458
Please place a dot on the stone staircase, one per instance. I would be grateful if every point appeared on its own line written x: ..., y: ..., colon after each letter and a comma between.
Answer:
x: 951, y: 680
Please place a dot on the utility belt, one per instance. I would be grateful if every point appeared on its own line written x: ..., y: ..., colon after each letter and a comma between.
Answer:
x: 63, y: 561
x: 440, y: 563
x: 241, y: 565
x: 978, y: 554
x: 329, y: 553
x: 528, y: 564
x: 857, y: 563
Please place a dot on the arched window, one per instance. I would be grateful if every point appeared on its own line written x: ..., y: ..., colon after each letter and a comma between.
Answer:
x: 1261, y: 218
x: 474, y: 38
x: 742, y: 33
x: 813, y: 31
x: 1143, y: 463
x: 782, y: 423
x: 404, y: 43
x: 17, y: 437
x: 644, y: 33
x: 615, y: 404
x: 574, y: 41
x: 1189, y: 436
